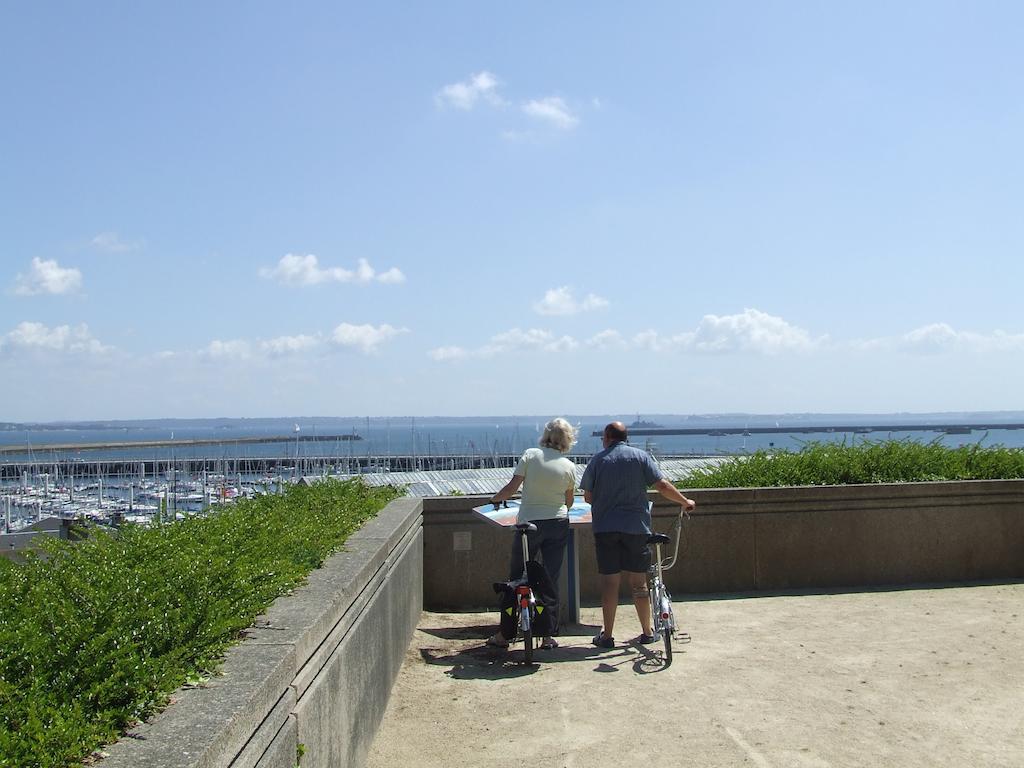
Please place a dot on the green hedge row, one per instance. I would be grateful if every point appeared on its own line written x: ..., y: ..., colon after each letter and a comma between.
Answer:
x: 95, y: 635
x: 889, y: 461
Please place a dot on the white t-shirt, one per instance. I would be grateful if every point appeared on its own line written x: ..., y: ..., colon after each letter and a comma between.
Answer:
x: 548, y: 475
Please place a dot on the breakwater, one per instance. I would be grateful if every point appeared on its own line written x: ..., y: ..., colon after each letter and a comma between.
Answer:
x: 957, y: 428
x: 186, y: 443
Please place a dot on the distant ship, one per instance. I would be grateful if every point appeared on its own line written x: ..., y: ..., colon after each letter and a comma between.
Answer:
x: 641, y: 424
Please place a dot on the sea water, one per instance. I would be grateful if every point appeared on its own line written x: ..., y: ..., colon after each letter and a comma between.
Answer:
x: 476, y: 436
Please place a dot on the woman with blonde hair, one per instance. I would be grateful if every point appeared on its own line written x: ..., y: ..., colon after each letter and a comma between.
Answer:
x: 548, y: 480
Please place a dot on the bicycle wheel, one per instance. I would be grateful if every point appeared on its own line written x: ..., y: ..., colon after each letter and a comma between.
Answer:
x: 526, y: 626
x: 654, y: 593
x: 667, y: 623
x: 528, y: 646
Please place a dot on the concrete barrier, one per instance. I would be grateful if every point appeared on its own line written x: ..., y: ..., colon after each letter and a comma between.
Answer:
x: 750, y: 539
x: 314, y: 673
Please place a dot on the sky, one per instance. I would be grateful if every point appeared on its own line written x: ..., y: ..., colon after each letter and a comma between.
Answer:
x: 386, y: 209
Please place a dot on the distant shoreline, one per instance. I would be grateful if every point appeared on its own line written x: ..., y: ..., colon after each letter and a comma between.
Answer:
x: 795, y: 419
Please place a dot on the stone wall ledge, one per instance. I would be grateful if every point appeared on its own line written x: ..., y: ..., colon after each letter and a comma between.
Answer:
x: 248, y: 715
x: 763, y: 539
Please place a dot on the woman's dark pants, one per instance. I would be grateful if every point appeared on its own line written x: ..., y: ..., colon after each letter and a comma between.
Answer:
x: 550, y: 540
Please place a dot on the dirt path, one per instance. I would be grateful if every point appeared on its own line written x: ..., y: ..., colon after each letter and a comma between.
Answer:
x: 902, y: 678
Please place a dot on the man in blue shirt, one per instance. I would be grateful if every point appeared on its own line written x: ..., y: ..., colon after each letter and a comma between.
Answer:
x: 615, y: 485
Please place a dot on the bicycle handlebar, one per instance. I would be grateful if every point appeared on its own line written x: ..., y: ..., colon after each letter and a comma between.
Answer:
x: 677, y: 528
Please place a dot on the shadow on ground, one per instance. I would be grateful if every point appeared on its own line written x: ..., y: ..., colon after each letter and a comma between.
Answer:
x: 482, y: 662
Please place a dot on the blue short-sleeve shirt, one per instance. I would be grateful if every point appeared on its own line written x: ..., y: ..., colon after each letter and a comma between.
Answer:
x: 618, y: 478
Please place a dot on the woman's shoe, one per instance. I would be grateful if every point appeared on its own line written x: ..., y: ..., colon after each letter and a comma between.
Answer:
x: 497, y: 640
x: 601, y: 640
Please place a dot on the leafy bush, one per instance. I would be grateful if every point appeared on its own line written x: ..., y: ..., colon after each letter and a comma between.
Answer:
x: 889, y: 461
x: 95, y: 635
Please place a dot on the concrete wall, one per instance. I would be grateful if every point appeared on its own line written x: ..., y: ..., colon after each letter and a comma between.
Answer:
x: 741, y: 540
x: 315, y: 670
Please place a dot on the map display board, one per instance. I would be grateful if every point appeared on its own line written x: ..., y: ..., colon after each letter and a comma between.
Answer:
x: 579, y: 513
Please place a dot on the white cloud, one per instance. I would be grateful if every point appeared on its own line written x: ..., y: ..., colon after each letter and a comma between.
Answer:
x: 47, y: 276
x: 111, y: 242
x: 936, y: 338
x: 552, y: 110
x: 509, y: 342
x: 517, y: 340
x: 62, y: 338
x: 749, y: 331
x: 288, y: 345
x: 448, y: 353
x: 364, y: 272
x: 465, y: 95
x: 233, y: 349
x: 608, y: 339
x: 482, y: 88
x: 652, y: 341
x: 999, y: 341
x: 294, y: 269
x: 302, y: 270
x: 365, y: 338
x: 560, y: 301
x: 393, y: 275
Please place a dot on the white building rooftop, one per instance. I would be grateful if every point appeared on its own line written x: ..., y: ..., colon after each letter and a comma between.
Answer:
x: 475, y: 482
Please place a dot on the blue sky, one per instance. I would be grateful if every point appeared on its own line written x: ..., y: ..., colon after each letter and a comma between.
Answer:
x: 247, y: 209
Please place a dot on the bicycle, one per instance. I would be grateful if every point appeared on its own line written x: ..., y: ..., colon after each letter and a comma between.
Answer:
x: 525, y: 602
x: 663, y: 620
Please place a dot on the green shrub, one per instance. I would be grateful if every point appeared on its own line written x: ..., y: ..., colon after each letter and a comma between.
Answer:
x: 95, y: 635
x: 889, y: 461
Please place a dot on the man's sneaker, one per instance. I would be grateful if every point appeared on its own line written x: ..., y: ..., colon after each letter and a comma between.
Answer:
x: 601, y: 640
x: 646, y: 639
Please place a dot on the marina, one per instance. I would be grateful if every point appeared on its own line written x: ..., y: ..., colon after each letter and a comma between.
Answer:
x: 111, y: 492
x: 150, y: 472
x: 113, y: 499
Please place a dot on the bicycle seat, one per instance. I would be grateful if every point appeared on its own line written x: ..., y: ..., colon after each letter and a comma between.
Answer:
x: 508, y: 586
x: 526, y: 527
x: 658, y: 538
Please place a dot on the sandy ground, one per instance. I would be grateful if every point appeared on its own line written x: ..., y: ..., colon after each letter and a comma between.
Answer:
x: 922, y: 677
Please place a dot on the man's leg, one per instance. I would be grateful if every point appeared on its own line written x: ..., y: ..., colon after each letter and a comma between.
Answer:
x: 609, y: 601
x: 608, y: 547
x: 641, y: 599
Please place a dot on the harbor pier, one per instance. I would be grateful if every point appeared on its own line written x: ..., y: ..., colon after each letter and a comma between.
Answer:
x: 267, y: 467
